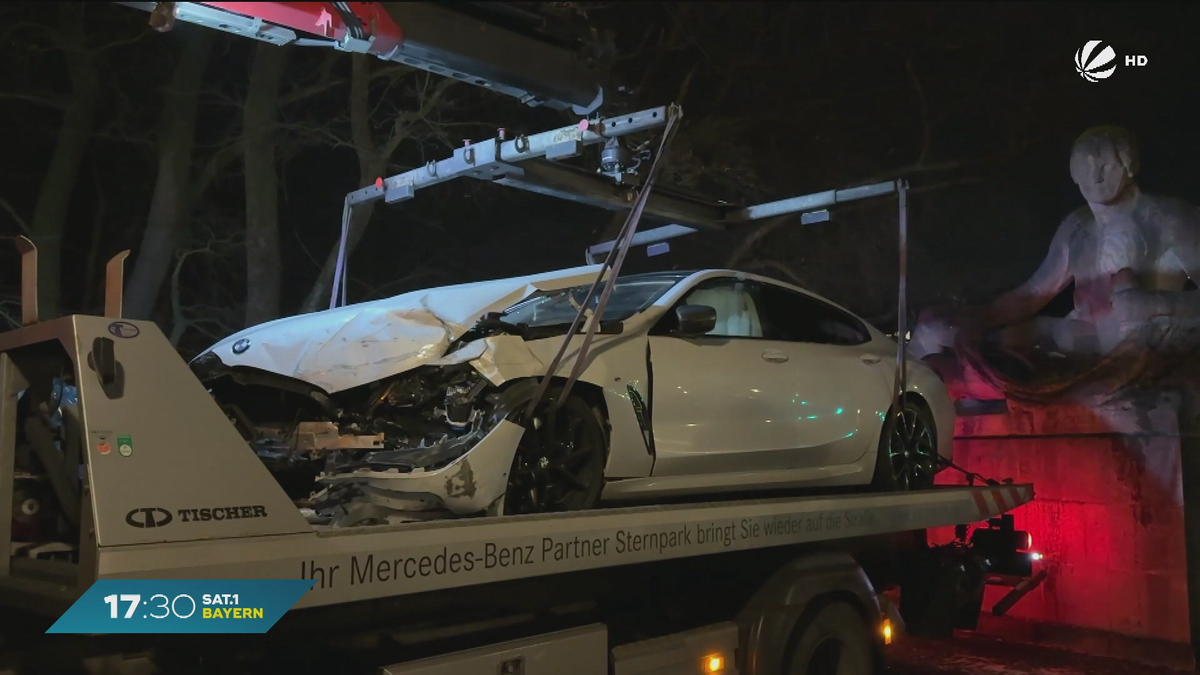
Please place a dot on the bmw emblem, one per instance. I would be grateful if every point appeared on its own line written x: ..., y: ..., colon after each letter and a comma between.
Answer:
x: 241, y: 346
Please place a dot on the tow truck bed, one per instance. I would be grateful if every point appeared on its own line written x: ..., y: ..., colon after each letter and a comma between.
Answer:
x: 373, y: 562
x: 174, y: 494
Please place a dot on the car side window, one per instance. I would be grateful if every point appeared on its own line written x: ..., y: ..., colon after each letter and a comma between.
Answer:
x: 797, y: 317
x: 736, y: 305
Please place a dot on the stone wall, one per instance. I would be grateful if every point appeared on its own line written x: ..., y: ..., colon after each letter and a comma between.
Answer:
x: 1107, y: 514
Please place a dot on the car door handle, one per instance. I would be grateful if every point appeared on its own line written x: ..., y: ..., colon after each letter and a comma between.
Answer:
x: 870, y: 358
x: 773, y: 356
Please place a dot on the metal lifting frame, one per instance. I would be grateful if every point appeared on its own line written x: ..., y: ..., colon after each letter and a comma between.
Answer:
x: 495, y: 160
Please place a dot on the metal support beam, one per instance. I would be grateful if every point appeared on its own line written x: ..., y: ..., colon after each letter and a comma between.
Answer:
x: 11, y: 383
x: 810, y: 202
x: 493, y: 159
x: 582, y: 187
x: 29, y: 281
x: 653, y: 236
x: 813, y: 208
x: 114, y: 285
x: 446, y: 42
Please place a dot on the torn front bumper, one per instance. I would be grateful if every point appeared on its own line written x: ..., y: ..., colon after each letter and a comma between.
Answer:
x: 469, y: 484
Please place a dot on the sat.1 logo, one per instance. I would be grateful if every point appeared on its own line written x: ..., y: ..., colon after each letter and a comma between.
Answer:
x: 1097, y: 61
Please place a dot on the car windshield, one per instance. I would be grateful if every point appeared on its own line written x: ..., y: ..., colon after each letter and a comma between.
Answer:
x: 550, y: 308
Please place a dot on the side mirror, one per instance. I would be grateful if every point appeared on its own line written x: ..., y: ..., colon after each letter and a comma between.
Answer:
x: 695, y: 320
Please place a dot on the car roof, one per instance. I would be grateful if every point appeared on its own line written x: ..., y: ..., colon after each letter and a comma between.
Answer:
x: 680, y: 275
x: 673, y: 275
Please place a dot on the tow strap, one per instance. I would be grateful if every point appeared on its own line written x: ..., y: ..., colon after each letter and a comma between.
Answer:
x: 612, y: 264
x: 339, y: 268
x: 900, y: 385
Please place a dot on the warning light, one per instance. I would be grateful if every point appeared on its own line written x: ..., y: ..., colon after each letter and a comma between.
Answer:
x: 379, y: 182
x: 714, y: 663
x: 887, y: 631
x: 1036, y: 556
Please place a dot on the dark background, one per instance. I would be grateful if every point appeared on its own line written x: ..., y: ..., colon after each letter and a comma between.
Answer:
x: 976, y: 104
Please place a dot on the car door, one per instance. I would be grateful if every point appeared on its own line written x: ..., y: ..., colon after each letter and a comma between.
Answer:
x: 723, y: 401
x: 839, y: 382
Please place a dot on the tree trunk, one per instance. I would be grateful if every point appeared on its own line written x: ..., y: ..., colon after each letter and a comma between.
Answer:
x: 92, y: 289
x: 370, y: 165
x: 259, y: 118
x: 54, y: 197
x: 169, y: 203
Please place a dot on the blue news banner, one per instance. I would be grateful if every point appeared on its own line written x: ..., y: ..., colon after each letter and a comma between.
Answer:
x: 182, y: 606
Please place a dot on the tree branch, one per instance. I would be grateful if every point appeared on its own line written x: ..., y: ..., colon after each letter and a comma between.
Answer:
x: 753, y: 238
x: 180, y: 322
x: 36, y: 100
x: 326, y: 80
x: 21, y: 222
x: 401, y: 128
x: 926, y: 128
x: 300, y: 93
x: 12, y: 319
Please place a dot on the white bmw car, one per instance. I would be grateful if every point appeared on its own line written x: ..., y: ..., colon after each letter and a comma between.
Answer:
x: 697, y: 383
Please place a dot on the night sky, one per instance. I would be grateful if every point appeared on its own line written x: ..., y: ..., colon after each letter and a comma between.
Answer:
x: 976, y: 104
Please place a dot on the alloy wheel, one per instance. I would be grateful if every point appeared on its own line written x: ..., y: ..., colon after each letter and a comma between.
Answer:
x: 912, y: 450
x: 555, y: 463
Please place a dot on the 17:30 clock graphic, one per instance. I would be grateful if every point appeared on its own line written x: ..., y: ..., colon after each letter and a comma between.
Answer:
x: 168, y: 606
x: 181, y: 606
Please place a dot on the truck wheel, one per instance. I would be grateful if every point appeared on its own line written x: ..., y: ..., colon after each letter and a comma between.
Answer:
x: 908, y: 453
x: 559, y: 465
x: 836, y: 641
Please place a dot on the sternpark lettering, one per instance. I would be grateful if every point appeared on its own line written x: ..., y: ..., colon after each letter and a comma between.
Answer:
x: 580, y: 552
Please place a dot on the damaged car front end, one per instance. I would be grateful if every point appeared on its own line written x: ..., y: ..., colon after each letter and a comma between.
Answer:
x: 442, y: 430
x: 390, y: 411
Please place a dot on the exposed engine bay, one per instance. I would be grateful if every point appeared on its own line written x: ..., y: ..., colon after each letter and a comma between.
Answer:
x: 331, y: 452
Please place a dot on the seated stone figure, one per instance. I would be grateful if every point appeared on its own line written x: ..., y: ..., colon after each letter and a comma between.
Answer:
x: 1130, y: 255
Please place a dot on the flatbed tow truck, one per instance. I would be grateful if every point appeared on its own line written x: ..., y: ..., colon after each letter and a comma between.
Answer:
x: 728, y: 587
x: 144, y: 477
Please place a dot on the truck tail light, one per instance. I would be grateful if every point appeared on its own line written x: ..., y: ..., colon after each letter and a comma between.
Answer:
x: 1006, y: 549
x: 714, y: 664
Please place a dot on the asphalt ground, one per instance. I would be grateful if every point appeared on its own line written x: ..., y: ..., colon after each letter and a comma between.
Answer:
x: 982, y: 655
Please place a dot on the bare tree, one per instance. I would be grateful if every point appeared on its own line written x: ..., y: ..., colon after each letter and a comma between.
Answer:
x: 173, y: 185
x: 74, y: 135
x: 424, y: 93
x: 212, y: 311
x: 259, y: 121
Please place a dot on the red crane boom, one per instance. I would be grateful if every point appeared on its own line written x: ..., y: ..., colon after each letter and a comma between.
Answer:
x: 423, y: 35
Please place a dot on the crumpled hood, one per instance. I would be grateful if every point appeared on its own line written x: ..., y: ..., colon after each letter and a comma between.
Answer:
x: 350, y: 346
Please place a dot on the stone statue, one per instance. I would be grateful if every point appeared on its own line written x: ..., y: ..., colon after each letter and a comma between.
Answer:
x: 1129, y: 254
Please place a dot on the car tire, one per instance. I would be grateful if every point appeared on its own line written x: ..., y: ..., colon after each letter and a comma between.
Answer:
x: 560, y: 468
x: 907, y: 457
x: 836, y: 640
